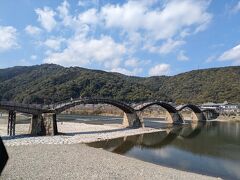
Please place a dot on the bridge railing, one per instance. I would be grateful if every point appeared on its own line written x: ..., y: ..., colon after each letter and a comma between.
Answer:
x: 142, y: 104
x: 30, y: 106
x: 65, y: 102
x: 45, y: 106
x: 87, y: 100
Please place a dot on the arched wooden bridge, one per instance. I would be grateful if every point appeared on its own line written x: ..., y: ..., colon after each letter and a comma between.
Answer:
x: 44, y: 116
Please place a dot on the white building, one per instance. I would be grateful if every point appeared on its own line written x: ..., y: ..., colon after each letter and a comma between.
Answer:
x: 227, y: 107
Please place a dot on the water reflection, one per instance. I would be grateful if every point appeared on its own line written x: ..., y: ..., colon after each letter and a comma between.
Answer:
x: 192, y: 130
x: 161, y: 139
x: 210, y: 148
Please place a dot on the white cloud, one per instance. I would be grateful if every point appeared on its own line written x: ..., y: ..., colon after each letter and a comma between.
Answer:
x: 140, y: 20
x: 82, y: 52
x: 114, y: 63
x: 82, y: 3
x: 184, y: 33
x: 177, y: 15
x: 182, y: 56
x: 54, y: 43
x: 110, y: 35
x: 158, y: 23
x: 170, y: 45
x: 237, y: 7
x: 63, y: 10
x: 160, y: 69
x: 33, y: 30
x: 89, y: 17
x: 135, y: 65
x: 132, y: 62
x: 231, y: 55
x: 133, y: 72
x: 134, y: 40
x: 167, y: 47
x: 86, y: 3
x: 122, y: 71
x: 129, y: 16
x: 33, y: 57
x: 46, y: 18
x: 8, y: 38
x: 144, y: 23
x: 80, y: 24
x: 211, y: 59
x: 148, y: 2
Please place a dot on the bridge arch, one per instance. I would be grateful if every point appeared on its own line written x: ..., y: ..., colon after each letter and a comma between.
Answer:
x: 130, y: 117
x: 172, y: 113
x: 197, y: 114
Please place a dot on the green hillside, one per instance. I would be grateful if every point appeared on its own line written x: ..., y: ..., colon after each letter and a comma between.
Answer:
x: 50, y: 83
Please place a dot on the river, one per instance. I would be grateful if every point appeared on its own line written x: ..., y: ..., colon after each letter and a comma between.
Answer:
x: 211, y: 148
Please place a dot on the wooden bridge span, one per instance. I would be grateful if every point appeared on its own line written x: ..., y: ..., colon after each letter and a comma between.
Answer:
x: 44, y: 120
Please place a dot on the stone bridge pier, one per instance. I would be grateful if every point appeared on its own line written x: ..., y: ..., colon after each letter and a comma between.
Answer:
x: 140, y: 116
x: 132, y: 120
x: 174, y: 117
x: 195, y: 117
x: 43, y: 124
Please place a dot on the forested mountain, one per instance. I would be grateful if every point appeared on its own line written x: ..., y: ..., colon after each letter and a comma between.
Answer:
x: 50, y: 83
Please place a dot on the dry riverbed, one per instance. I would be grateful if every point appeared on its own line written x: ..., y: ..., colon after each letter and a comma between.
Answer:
x: 71, y: 133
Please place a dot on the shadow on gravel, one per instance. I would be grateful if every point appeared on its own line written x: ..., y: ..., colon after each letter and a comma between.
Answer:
x: 21, y: 136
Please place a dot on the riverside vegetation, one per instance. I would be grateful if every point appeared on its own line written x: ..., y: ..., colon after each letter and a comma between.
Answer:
x: 49, y: 83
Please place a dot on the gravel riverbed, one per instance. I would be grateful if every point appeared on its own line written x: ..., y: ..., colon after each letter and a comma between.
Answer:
x: 71, y: 133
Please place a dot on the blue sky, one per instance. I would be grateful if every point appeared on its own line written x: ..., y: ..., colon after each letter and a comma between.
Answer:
x: 143, y: 38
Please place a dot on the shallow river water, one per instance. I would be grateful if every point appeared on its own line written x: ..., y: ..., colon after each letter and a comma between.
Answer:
x: 211, y: 148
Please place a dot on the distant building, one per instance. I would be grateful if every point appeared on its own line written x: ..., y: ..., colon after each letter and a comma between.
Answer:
x: 231, y: 107
x: 223, y: 107
x: 211, y: 105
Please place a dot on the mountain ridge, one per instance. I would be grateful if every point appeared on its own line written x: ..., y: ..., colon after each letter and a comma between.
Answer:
x: 48, y: 83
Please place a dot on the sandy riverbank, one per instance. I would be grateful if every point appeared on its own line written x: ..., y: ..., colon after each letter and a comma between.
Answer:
x: 229, y: 118
x: 78, y: 161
